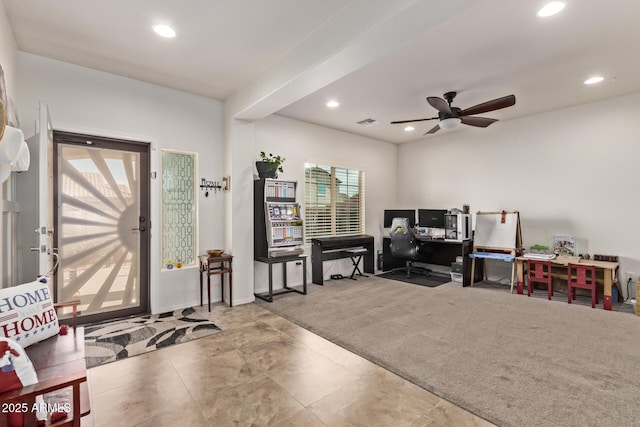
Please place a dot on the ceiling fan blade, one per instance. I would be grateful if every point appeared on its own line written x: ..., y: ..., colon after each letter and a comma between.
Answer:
x: 481, y: 122
x: 409, y: 121
x: 485, y: 107
x: 439, y: 104
x: 434, y: 129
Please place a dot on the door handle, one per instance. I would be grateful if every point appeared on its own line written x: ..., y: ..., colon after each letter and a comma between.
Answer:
x: 141, y: 228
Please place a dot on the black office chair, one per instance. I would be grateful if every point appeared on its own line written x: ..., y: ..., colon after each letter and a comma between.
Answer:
x: 404, y: 246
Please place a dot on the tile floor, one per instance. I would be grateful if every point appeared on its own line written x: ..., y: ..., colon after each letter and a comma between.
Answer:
x: 261, y: 370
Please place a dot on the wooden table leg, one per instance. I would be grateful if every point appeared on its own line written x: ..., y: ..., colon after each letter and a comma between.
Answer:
x: 209, y: 288
x: 230, y: 285
x: 76, y: 405
x: 520, y: 269
x: 608, y: 280
x: 473, y: 271
x: 222, y: 281
x: 29, y: 416
x: 201, y: 273
x: 513, y: 267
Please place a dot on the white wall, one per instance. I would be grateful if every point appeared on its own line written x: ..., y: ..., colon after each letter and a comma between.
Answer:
x: 8, y: 53
x: 8, y: 59
x: 301, y: 142
x: 239, y: 211
x: 569, y: 172
x: 95, y: 102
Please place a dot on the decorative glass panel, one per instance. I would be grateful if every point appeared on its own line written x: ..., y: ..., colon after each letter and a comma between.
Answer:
x: 179, y: 209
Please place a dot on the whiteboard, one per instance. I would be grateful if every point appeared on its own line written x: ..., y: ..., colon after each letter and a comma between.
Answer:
x: 490, y: 232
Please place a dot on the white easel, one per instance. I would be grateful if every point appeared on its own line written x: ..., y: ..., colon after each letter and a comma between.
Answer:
x: 498, y: 235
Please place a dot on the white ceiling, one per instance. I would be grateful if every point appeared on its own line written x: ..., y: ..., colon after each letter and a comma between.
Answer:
x: 491, y: 49
x: 220, y: 46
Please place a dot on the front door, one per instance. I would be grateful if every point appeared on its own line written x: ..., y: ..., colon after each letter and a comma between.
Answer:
x: 101, y: 190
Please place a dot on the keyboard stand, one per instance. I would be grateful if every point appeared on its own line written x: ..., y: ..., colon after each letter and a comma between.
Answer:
x: 356, y: 255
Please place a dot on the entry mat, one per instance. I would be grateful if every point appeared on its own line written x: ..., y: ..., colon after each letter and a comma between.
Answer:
x: 110, y: 341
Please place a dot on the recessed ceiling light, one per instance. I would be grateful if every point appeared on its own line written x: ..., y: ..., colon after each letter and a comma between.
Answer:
x: 333, y: 104
x: 551, y: 8
x: 593, y: 80
x: 164, y: 31
x: 409, y: 129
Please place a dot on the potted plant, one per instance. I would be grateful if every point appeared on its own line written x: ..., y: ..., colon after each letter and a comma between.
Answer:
x: 269, y: 165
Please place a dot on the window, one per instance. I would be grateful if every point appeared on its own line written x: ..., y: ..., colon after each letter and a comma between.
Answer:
x: 334, y: 201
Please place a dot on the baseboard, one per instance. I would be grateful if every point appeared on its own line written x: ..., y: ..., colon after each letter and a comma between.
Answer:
x: 178, y: 307
x: 244, y: 301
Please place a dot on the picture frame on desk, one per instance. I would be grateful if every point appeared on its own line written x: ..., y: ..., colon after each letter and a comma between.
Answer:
x: 564, y: 245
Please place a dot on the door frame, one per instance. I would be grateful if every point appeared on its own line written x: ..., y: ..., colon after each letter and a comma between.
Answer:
x: 144, y: 149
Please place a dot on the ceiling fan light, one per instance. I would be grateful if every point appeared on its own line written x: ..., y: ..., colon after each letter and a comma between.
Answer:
x: 450, y: 123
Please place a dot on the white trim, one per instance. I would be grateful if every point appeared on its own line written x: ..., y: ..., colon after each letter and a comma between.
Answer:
x: 244, y: 301
x: 181, y: 306
x: 204, y: 305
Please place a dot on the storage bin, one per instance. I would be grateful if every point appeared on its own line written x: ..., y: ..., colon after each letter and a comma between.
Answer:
x: 456, y: 277
x: 456, y: 267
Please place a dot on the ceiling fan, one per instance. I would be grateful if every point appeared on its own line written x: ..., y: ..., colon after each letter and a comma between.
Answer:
x: 451, y: 117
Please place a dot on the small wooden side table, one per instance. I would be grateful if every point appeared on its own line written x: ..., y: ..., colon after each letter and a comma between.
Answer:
x: 211, y: 265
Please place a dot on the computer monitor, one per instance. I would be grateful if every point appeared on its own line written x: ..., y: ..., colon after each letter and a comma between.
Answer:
x: 410, y: 214
x: 432, y: 218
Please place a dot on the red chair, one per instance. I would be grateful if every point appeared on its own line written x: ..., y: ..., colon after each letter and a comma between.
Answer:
x: 539, y: 272
x: 583, y: 277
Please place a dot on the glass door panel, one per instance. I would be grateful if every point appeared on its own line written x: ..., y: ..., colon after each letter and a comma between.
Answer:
x: 98, y: 228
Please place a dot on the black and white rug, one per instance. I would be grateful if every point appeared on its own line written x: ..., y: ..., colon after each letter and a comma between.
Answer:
x: 111, y: 341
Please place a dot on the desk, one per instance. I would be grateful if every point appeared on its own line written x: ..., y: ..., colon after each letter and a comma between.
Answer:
x: 559, y: 269
x: 285, y: 290
x: 328, y: 248
x: 435, y: 251
x: 212, y: 265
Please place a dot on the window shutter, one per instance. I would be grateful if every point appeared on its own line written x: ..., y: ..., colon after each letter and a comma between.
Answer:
x: 334, y: 201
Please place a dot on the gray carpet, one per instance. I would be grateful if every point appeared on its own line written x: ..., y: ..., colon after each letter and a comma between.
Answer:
x: 110, y: 341
x: 513, y: 360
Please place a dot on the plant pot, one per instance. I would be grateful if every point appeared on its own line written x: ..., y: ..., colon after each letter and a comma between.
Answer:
x: 264, y: 169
